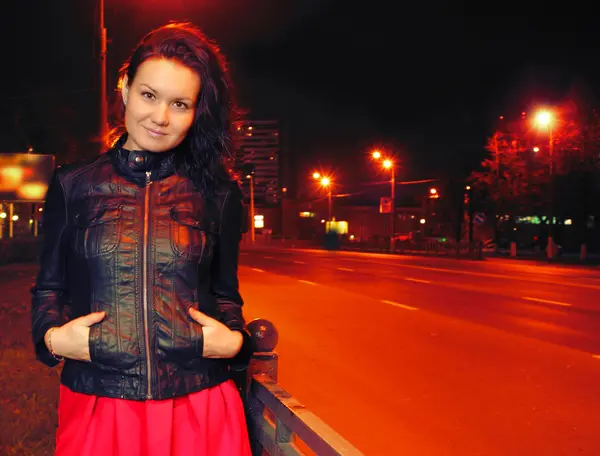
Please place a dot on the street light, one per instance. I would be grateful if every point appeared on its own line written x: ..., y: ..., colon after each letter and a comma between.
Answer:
x: 326, y: 183
x: 388, y: 164
x: 248, y: 169
x: 544, y: 119
x: 250, y: 177
x: 103, y: 99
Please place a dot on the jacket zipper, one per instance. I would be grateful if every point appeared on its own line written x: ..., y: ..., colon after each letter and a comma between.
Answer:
x: 145, y: 285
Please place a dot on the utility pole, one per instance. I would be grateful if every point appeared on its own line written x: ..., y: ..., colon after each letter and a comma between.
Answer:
x: 550, y: 249
x: 103, y: 127
x: 393, y: 211
x: 252, y: 229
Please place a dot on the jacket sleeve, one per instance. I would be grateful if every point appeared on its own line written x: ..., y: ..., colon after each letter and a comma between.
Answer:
x: 224, y: 275
x: 50, y: 290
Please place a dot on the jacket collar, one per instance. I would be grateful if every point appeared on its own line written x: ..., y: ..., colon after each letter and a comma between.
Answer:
x: 134, y: 164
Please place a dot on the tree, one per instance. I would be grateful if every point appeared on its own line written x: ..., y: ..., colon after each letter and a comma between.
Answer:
x: 509, y: 180
x: 524, y: 172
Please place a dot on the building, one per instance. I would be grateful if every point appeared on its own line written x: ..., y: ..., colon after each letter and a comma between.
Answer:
x: 259, y: 145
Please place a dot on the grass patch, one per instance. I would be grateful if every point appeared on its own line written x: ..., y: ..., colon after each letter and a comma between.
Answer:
x: 28, y: 389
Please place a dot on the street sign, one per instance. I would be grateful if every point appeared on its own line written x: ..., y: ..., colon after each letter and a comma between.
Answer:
x: 479, y: 218
x: 385, y: 205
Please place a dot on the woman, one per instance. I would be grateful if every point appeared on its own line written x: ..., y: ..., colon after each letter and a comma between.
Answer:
x: 138, y: 288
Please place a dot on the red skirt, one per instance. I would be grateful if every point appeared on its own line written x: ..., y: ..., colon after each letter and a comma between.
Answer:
x: 210, y: 422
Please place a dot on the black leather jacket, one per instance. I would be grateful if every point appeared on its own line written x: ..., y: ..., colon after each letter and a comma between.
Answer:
x: 131, y: 236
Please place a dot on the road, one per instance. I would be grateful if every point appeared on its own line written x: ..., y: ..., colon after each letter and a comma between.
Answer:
x: 425, y: 356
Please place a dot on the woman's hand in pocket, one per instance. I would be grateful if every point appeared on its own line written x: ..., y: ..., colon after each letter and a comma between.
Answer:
x: 72, y: 340
x: 219, y: 341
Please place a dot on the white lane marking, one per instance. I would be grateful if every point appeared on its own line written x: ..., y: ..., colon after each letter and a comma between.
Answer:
x: 257, y: 270
x: 345, y: 269
x: 402, y: 306
x: 299, y: 262
x: 307, y: 281
x: 268, y: 257
x: 410, y: 279
x: 596, y: 356
x: 546, y: 301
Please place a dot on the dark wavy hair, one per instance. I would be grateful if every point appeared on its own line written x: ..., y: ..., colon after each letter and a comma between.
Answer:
x: 207, y: 148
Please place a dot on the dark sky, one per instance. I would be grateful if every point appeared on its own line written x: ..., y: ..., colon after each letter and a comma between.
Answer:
x: 427, y: 83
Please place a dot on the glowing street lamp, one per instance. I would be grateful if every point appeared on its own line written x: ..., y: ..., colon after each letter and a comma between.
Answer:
x: 325, y: 182
x: 545, y: 120
x: 536, y: 149
x: 388, y: 164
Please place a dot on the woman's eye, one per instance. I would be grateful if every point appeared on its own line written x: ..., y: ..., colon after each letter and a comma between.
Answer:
x: 148, y: 95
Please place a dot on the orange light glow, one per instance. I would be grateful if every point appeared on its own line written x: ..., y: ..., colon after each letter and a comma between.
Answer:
x: 387, y: 164
x: 544, y: 119
x: 325, y: 182
x: 376, y: 154
x: 316, y: 175
x: 433, y: 191
x: 32, y: 191
x: 536, y: 149
x: 11, y: 176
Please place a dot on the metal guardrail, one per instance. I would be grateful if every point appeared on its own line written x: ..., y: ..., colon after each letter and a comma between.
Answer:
x: 425, y: 247
x: 277, y: 423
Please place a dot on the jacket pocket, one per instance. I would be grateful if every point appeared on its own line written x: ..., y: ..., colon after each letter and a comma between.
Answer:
x: 188, y: 237
x: 96, y: 231
x: 109, y: 351
x: 183, y: 343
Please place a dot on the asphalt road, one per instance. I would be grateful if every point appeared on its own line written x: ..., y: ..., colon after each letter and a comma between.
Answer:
x: 426, y: 356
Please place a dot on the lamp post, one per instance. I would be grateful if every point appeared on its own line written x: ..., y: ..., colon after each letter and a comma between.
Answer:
x: 326, y: 182
x: 252, y: 230
x: 103, y: 127
x: 544, y: 119
x: 389, y: 165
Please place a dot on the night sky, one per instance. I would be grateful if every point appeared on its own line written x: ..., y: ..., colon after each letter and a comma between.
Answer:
x: 341, y: 78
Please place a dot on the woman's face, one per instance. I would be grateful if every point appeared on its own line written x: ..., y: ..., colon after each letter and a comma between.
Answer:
x: 160, y: 105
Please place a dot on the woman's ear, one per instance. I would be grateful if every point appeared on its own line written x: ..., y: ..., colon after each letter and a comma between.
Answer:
x: 125, y: 89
